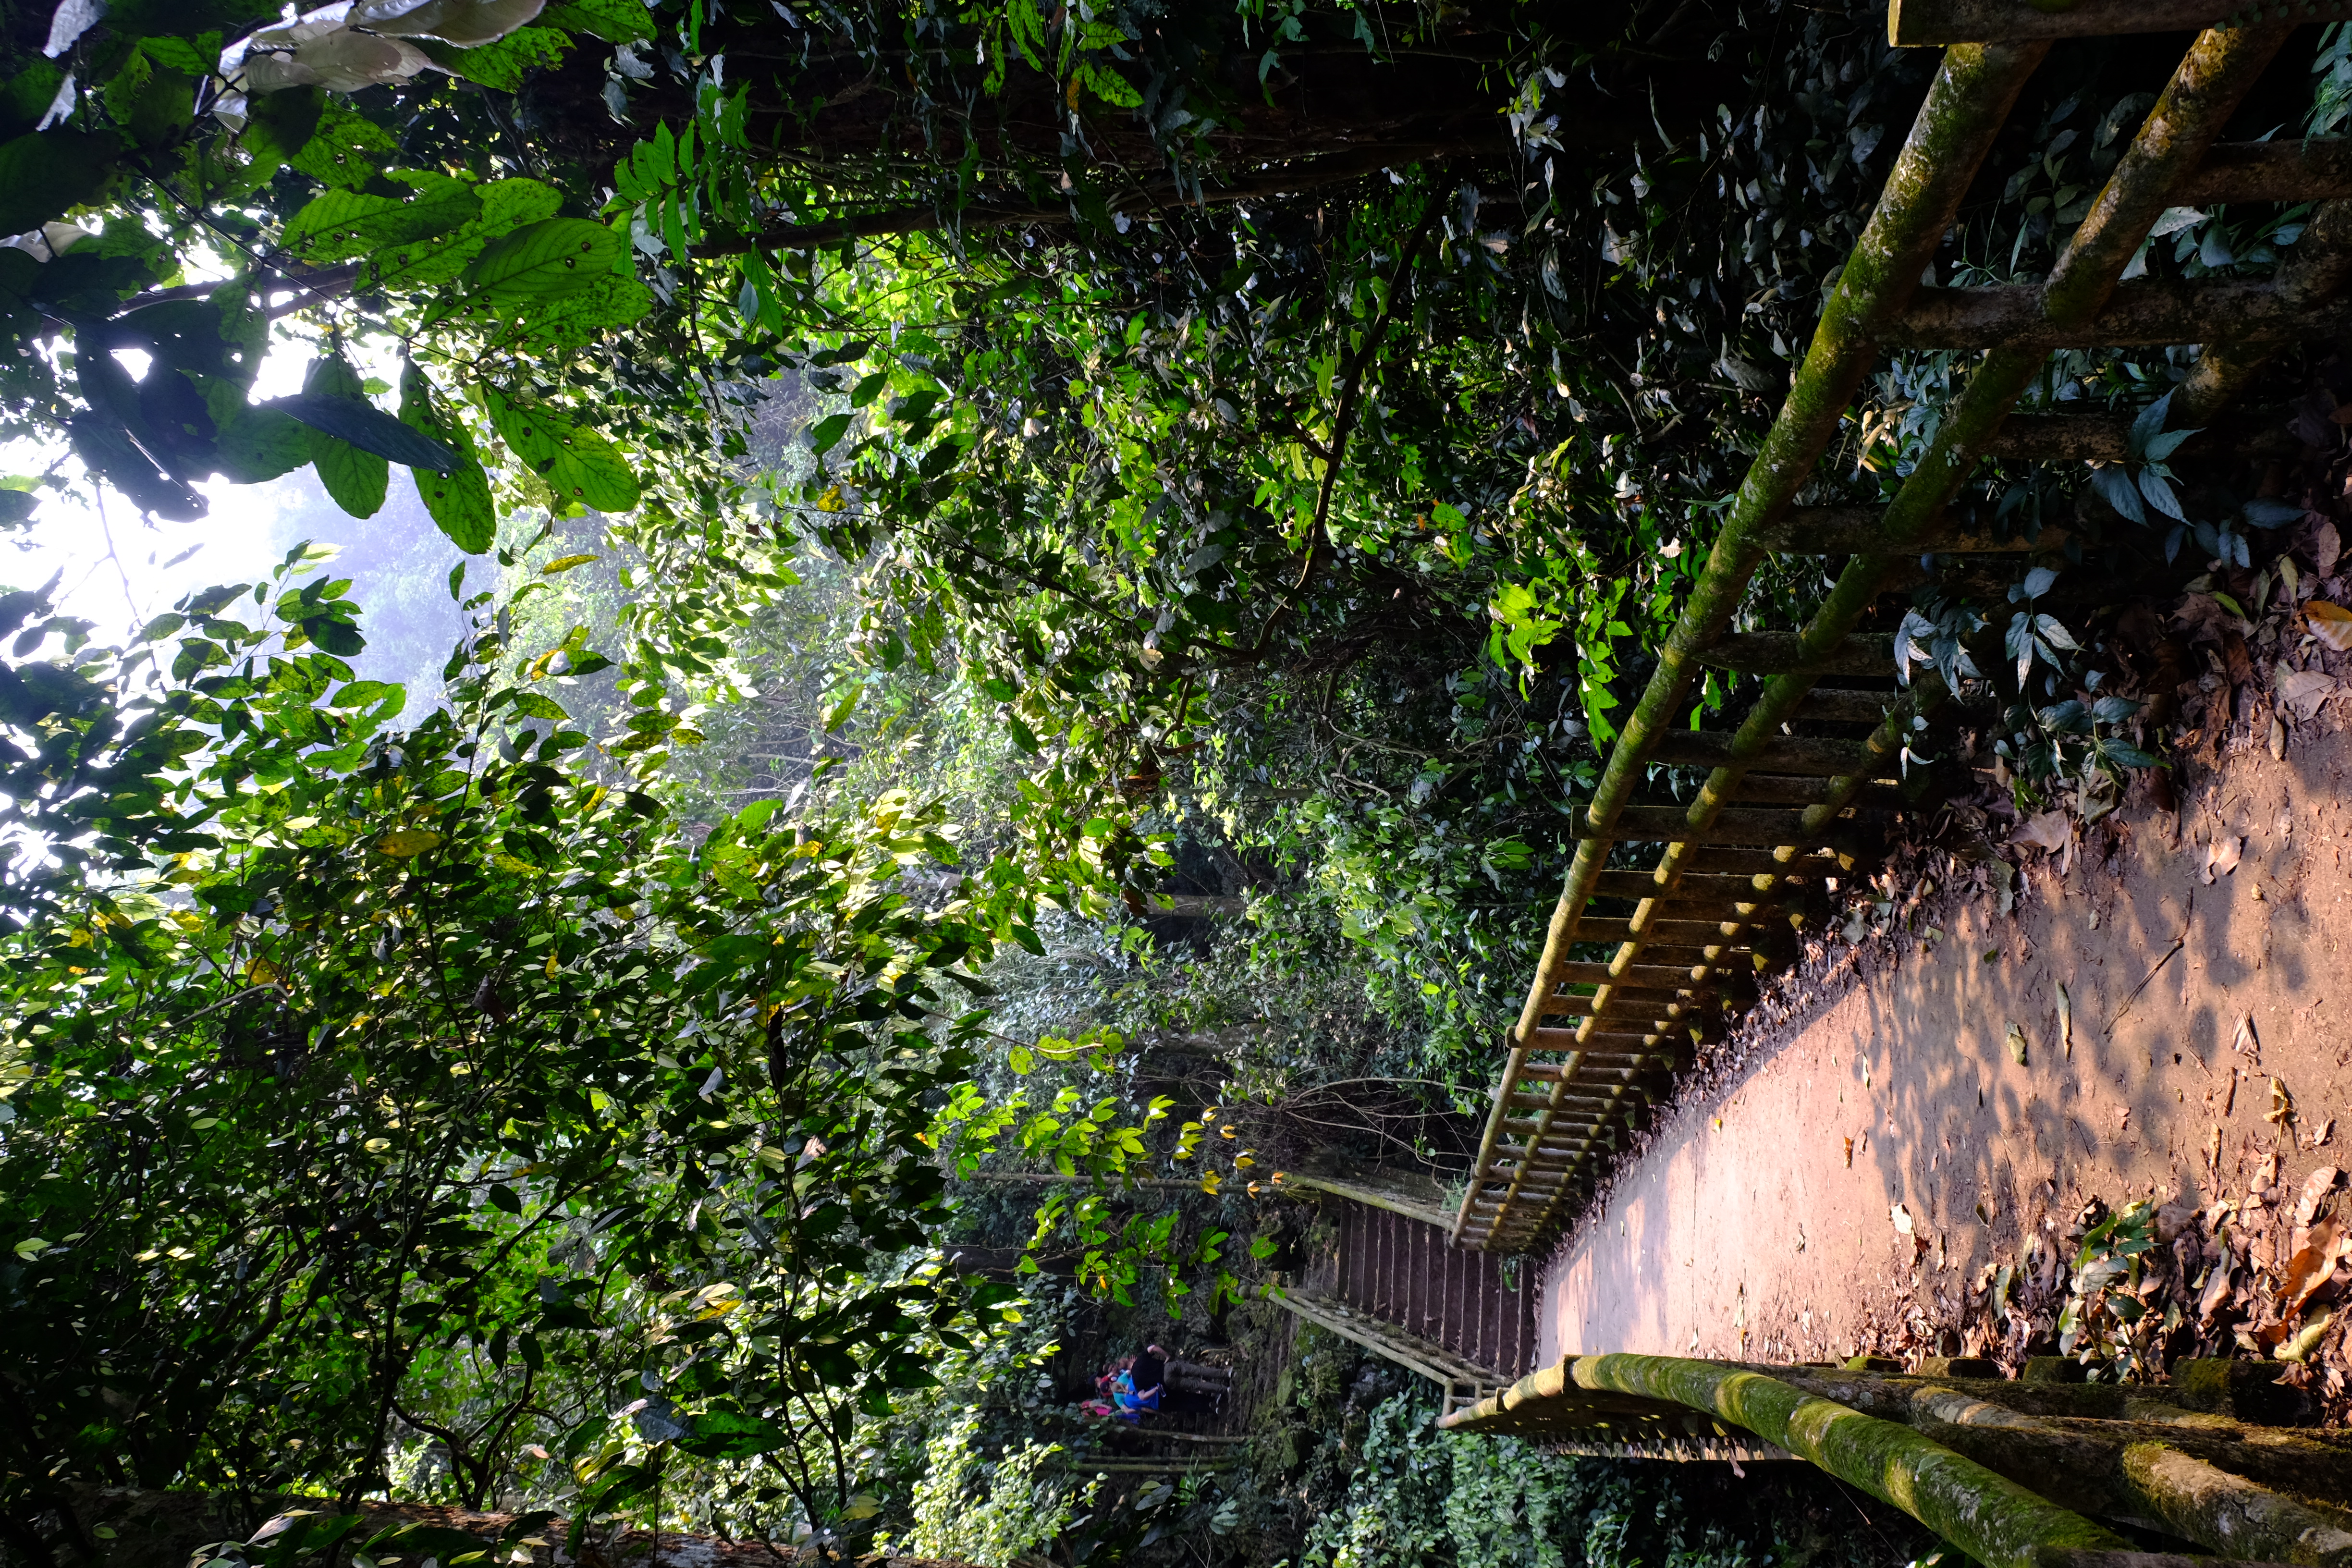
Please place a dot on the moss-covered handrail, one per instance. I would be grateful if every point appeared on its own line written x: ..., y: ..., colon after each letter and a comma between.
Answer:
x: 2008, y: 1472
x: 1993, y: 1520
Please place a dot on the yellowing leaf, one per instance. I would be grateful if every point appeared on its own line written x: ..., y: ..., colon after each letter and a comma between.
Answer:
x: 565, y: 564
x: 2306, y: 1339
x: 2331, y: 624
x: 2017, y: 1044
x: 862, y: 1505
x: 402, y: 843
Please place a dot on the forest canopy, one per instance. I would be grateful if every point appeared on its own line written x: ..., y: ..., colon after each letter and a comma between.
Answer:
x: 959, y: 486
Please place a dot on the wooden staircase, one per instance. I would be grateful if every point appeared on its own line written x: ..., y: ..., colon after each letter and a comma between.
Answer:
x: 1395, y: 1284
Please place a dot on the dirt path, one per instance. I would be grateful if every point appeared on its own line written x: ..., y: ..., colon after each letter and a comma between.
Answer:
x: 1748, y: 1226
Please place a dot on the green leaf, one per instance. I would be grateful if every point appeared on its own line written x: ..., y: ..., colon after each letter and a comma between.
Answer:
x: 614, y: 300
x: 507, y: 206
x: 26, y: 96
x: 367, y: 693
x: 826, y: 432
x: 354, y: 477
x: 197, y: 57
x: 545, y: 260
x: 346, y: 150
x: 340, y: 224
x: 615, y: 21
x: 279, y: 125
x: 335, y: 635
x: 501, y: 64
x: 591, y: 471
x: 253, y: 443
x: 1111, y: 87
x: 45, y: 175
x: 459, y: 499
x: 532, y: 705
x: 368, y: 428
x: 580, y: 466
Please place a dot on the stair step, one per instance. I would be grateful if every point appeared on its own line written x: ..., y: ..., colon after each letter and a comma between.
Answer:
x: 1636, y: 976
x: 2145, y: 311
x: 1859, y: 529
x: 1782, y: 755
x: 1848, y: 705
x: 1777, y: 653
x: 1733, y: 825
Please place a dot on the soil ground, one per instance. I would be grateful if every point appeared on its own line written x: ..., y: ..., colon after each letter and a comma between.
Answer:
x: 1758, y: 1221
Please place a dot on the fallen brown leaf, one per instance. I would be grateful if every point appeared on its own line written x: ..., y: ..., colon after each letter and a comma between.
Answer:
x: 2327, y: 546
x: 2319, y: 1140
x: 1902, y: 1217
x: 2216, y: 1294
x: 2330, y: 624
x: 2050, y: 830
x: 2245, y: 1041
x: 2266, y: 1176
x: 2065, y: 1020
x: 1849, y: 1153
x: 2316, y: 1188
x: 2017, y: 1044
x: 2327, y: 1243
x: 2222, y: 856
x: 2303, y: 692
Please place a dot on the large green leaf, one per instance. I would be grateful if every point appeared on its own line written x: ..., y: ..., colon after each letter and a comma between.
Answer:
x: 615, y: 21
x: 26, y: 96
x: 355, y: 420
x: 591, y: 471
x: 341, y: 223
x: 332, y: 395
x: 47, y: 173
x: 501, y: 64
x: 279, y: 126
x: 580, y: 466
x: 545, y: 260
x: 254, y: 444
x: 346, y: 150
x: 507, y: 206
x: 459, y: 499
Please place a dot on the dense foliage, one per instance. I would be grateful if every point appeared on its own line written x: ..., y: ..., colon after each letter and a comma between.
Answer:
x: 1147, y: 509
x: 431, y: 1091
